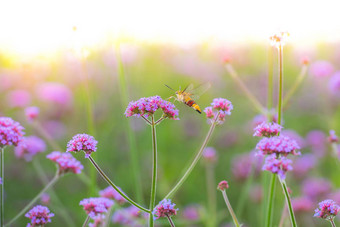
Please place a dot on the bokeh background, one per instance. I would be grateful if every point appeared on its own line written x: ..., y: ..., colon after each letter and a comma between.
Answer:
x: 81, y: 63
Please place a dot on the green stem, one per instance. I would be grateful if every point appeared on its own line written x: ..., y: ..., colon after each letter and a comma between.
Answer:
x: 115, y: 187
x: 131, y: 136
x: 332, y: 223
x: 170, y: 221
x: 2, y: 169
x: 295, y: 86
x: 49, y: 185
x: 288, y: 200
x: 245, y: 89
x: 230, y: 208
x: 270, y: 203
x: 86, y: 221
x: 154, y: 170
x: 211, y: 191
x: 280, y: 85
x: 194, y: 162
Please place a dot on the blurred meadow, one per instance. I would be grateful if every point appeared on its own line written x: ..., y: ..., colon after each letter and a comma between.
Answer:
x: 87, y: 90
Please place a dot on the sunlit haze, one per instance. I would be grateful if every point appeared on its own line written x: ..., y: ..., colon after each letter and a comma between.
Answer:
x: 31, y: 27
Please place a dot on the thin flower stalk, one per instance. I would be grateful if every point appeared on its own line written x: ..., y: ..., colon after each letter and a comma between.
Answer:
x: 332, y: 223
x: 28, y: 206
x: 211, y: 191
x: 107, y: 179
x: 86, y: 221
x: 270, y: 89
x: 279, y: 120
x: 288, y: 200
x: 232, y: 213
x: 170, y: 221
x: 270, y: 204
x: 2, y: 169
x: 154, y: 170
x: 194, y: 162
x: 245, y: 89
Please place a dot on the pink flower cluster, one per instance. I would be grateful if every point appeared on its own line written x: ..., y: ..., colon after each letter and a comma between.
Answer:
x: 219, y: 106
x: 281, y: 145
x: 96, y: 206
x: 98, y: 221
x: 277, y: 165
x: 66, y: 162
x: 11, y: 132
x: 29, y: 147
x: 129, y: 216
x: 267, y: 129
x: 333, y: 137
x: 82, y: 142
x: 32, y: 113
x: 148, y: 106
x: 39, y: 215
x: 111, y: 193
x: 302, y: 204
x: 223, y: 185
x: 327, y: 209
x: 164, y: 209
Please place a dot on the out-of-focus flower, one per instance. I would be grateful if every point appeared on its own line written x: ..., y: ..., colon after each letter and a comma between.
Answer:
x: 82, y: 142
x: 191, y: 212
x: 55, y: 128
x: 279, y: 39
x: 305, y: 60
x: 209, y: 155
x: 98, y: 221
x: 334, y: 84
x: 223, y: 185
x: 327, y: 209
x: 260, y: 118
x: 18, y: 98
x: 267, y: 129
x: 295, y: 136
x: 31, y: 113
x: 11, y: 132
x: 302, y: 204
x: 0, y: 180
x: 164, y: 209
x: 335, y: 196
x: 242, y: 164
x: 130, y: 216
x: 277, y: 165
x: 279, y: 145
x: 39, y: 215
x: 56, y: 93
x: 111, y: 193
x: 45, y: 199
x: 332, y: 137
x: 95, y: 206
x: 256, y: 193
x: 315, y: 188
x: 66, y: 162
x: 29, y: 147
x: 321, y: 69
x: 148, y: 106
x: 303, y: 164
x: 316, y: 140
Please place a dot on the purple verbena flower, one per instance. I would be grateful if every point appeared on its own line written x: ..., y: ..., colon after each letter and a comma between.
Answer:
x: 56, y: 93
x: 98, y: 221
x: 66, y: 162
x: 316, y: 188
x: 278, y: 145
x: 223, y: 185
x: 209, y: 154
x: 334, y: 84
x: 95, y: 206
x: 302, y: 204
x: 332, y: 137
x: 241, y: 165
x: 327, y: 209
x: 321, y: 69
x: 267, y: 129
x: 316, y: 140
x: 111, y: 193
x: 277, y: 165
x: 294, y: 136
x: 29, y: 147
x: 303, y: 164
x: 164, y: 209
x: 222, y: 105
x: 18, y: 98
x: 128, y: 216
x: 11, y: 132
x: 39, y: 215
x: 45, y: 199
x: 191, y: 212
x: 82, y: 142
x: 32, y: 113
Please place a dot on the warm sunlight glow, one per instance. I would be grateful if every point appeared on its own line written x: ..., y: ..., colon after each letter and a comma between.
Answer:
x: 38, y: 26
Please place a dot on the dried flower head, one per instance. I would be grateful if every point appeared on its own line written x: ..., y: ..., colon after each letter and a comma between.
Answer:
x: 32, y: 113
x: 95, y: 206
x: 223, y: 185
x: 66, y: 162
x: 39, y: 215
x: 279, y: 145
x: 11, y: 132
x: 279, y: 39
x: 29, y: 147
x: 82, y: 142
x: 164, y: 209
x: 327, y: 209
x: 267, y: 129
x: 333, y: 137
x: 277, y: 165
x: 111, y: 193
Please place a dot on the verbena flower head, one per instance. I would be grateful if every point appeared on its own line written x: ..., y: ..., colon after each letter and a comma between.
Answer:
x: 164, y: 209
x: 66, y: 162
x: 267, y: 129
x: 278, y: 145
x: 148, y: 106
x: 316, y: 188
x: 209, y: 154
x: 45, y: 198
x: 32, y: 113
x: 56, y: 93
x: 334, y: 84
x: 95, y: 206
x: 332, y: 137
x: 129, y: 216
x: 11, y: 132
x: 277, y: 165
x: 279, y: 39
x: 302, y: 204
x: 29, y: 147
x: 327, y: 209
x: 303, y: 165
x: 242, y: 165
x: 98, y: 221
x: 223, y: 185
x: 82, y: 142
x: 316, y: 140
x: 191, y: 212
x: 321, y: 69
x: 39, y: 215
x: 111, y: 193
x: 219, y: 106
x: 292, y: 134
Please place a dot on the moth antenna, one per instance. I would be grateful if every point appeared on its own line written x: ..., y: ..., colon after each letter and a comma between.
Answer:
x: 169, y: 87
